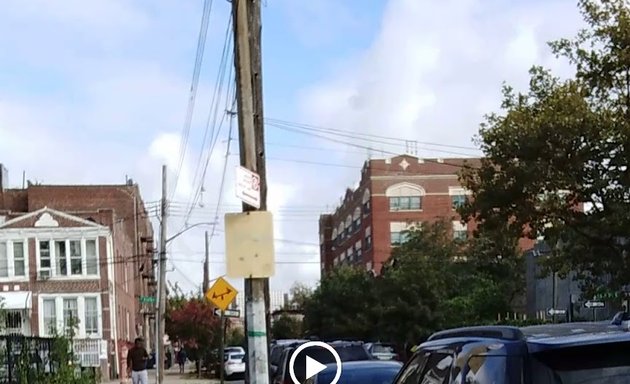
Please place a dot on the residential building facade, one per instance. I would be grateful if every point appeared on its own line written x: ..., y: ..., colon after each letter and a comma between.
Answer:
x: 393, y: 195
x: 77, y: 255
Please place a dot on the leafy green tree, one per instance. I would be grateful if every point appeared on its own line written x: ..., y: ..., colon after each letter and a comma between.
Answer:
x: 562, y: 143
x: 286, y: 327
x: 300, y: 294
x: 235, y: 336
x: 342, y: 306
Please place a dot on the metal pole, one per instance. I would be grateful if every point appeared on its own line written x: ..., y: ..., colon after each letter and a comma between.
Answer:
x: 222, y: 348
x: 159, y: 358
x: 252, y: 158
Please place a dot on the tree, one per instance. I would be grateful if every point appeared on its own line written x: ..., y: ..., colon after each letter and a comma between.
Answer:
x: 195, y: 324
x: 342, y: 305
x: 430, y: 283
x: 300, y: 293
x: 562, y: 143
x: 286, y: 327
x: 235, y: 336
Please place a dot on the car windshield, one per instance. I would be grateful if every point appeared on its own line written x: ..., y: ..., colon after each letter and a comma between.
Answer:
x: 380, y: 375
x: 238, y: 356
x: 379, y: 348
x: 593, y: 364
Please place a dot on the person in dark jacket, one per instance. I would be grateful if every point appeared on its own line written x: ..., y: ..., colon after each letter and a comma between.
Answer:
x: 181, y: 359
x: 137, y: 358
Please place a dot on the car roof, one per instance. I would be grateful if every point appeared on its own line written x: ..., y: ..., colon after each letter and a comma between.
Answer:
x: 363, y: 365
x: 536, y: 337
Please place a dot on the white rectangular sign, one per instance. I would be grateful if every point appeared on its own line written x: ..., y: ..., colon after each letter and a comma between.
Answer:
x: 248, y: 186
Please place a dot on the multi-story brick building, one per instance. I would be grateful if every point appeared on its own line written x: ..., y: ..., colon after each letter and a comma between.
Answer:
x: 77, y: 252
x: 393, y: 195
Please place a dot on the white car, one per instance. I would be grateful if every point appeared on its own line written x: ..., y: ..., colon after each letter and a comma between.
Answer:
x: 233, y: 364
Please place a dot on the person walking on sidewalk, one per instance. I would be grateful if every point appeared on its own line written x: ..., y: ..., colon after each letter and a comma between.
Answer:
x: 137, y: 358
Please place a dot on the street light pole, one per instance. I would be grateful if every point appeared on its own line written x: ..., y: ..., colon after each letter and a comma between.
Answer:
x: 159, y: 356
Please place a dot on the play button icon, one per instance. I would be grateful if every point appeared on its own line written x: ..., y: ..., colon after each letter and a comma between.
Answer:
x: 312, y: 366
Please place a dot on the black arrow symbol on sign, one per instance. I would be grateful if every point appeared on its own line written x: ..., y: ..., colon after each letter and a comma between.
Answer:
x: 227, y: 292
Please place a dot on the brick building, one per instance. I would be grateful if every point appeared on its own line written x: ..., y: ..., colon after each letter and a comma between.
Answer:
x: 77, y: 252
x: 393, y: 195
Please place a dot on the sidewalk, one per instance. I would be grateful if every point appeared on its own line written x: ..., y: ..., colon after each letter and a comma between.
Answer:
x: 172, y: 376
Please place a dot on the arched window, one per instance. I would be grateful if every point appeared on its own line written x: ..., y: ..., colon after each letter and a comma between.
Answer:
x: 366, y: 202
x: 356, y: 219
x: 334, y: 234
x: 340, y: 231
x: 405, y: 197
x: 348, y: 225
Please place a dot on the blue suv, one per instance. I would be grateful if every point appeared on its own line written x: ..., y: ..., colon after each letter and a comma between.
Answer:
x: 571, y: 353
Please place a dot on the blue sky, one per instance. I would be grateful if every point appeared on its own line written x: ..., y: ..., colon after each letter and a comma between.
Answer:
x: 93, y: 91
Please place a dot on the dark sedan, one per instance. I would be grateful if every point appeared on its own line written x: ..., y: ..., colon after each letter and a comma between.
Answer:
x: 359, y: 372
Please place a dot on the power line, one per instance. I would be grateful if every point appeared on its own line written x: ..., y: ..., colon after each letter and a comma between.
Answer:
x: 201, y: 45
x: 356, y: 135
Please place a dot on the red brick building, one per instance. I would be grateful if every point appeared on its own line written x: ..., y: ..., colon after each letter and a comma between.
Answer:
x: 393, y: 195
x: 80, y: 252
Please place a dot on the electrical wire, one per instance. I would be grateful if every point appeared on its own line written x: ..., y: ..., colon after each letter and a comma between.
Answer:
x: 201, y: 44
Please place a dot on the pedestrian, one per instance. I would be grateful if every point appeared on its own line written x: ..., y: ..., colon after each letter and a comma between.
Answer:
x: 137, y: 359
x: 181, y: 359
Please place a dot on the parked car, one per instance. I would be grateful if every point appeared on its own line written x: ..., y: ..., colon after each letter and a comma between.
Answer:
x: 382, y: 351
x: 233, y: 364
x: 359, y: 372
x: 570, y: 353
x: 347, y: 350
x: 276, y: 348
x: 234, y: 348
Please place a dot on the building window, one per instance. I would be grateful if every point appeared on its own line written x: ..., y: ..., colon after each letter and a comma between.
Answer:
x: 405, y: 197
x: 50, y: 317
x: 357, y: 251
x: 406, y: 203
x: 70, y: 313
x: 366, y: 202
x: 356, y: 219
x: 399, y: 231
x: 76, y: 257
x: 13, y: 321
x: 91, y: 316
x: 91, y: 257
x: 397, y: 238
x: 4, y: 260
x: 460, y: 231
x: 61, y: 256
x: 368, y: 238
x: 44, y: 255
x: 457, y: 201
x: 348, y: 226
x: 341, y: 232
x: 19, y: 259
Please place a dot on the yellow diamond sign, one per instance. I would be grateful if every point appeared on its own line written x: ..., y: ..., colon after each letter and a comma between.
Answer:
x: 221, y: 294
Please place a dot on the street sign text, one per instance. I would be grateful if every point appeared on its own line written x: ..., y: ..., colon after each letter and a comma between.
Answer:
x: 227, y: 312
x: 248, y: 186
x: 595, y: 304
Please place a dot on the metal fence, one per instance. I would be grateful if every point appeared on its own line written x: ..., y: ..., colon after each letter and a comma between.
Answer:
x: 15, y: 348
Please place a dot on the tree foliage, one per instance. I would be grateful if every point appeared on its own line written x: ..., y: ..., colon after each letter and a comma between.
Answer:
x: 430, y: 283
x: 286, y: 327
x: 193, y: 322
x: 562, y: 143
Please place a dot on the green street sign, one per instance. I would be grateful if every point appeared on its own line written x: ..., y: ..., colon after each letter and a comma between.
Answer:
x: 147, y: 299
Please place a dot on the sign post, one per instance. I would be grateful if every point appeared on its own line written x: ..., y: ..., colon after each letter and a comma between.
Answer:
x: 222, y: 348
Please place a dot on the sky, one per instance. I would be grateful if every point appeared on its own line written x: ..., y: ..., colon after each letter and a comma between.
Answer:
x: 96, y: 91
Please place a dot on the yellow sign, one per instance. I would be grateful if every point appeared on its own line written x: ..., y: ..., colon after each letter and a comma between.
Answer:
x: 221, y: 294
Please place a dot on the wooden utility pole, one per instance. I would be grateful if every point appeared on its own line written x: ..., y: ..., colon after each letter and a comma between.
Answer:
x: 255, y: 48
x: 159, y: 356
x: 251, y: 145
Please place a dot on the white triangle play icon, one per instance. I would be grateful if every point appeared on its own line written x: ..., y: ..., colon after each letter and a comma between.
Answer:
x: 313, y: 367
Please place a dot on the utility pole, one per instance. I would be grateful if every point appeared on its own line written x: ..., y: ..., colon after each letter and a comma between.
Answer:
x: 251, y: 145
x: 255, y: 45
x: 206, y: 266
x: 159, y: 356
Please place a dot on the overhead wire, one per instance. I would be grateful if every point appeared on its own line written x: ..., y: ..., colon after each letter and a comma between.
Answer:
x: 198, y: 182
x: 201, y: 44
